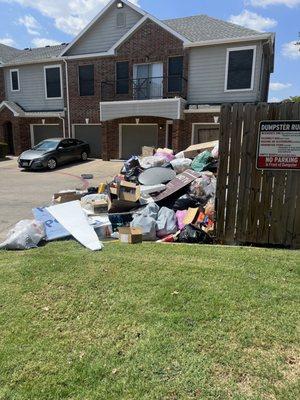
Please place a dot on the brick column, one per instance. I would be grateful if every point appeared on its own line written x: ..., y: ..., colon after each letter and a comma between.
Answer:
x: 177, y: 133
x: 105, y: 140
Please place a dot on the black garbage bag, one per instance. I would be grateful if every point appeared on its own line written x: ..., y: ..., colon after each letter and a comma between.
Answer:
x: 185, y: 202
x: 133, y: 174
x: 191, y: 234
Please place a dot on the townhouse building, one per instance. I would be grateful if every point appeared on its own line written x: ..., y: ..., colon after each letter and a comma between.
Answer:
x: 130, y: 80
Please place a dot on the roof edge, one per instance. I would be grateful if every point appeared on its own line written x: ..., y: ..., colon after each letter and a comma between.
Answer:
x: 230, y: 40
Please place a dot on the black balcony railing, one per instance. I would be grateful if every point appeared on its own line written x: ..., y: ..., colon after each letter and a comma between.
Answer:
x: 144, y: 88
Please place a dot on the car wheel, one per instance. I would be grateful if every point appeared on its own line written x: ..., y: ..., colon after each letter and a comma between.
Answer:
x: 52, y: 163
x: 84, y: 156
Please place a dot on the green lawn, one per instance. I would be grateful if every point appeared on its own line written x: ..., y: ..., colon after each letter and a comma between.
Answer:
x: 149, y: 322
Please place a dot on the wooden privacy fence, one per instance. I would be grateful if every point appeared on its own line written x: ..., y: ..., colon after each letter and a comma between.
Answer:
x: 255, y: 207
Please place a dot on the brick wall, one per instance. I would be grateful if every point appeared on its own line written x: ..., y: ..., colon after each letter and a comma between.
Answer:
x: 150, y: 44
x: 21, y: 129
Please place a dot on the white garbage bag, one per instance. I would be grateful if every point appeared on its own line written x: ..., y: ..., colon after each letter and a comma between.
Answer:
x: 166, y: 223
x: 181, y: 164
x: 26, y: 234
x: 146, y: 220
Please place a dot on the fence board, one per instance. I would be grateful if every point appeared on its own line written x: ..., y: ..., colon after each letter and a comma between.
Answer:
x: 259, y: 207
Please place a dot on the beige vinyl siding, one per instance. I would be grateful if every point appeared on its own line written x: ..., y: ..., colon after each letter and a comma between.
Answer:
x: 105, y: 33
x: 167, y: 108
x: 32, y: 96
x: 207, y: 75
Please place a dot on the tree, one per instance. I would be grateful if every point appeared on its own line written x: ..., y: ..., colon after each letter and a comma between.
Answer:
x: 295, y: 99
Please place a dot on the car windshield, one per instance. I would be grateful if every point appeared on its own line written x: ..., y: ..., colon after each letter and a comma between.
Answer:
x: 46, y: 145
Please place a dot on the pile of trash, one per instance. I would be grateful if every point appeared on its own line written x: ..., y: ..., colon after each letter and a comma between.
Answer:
x: 159, y: 197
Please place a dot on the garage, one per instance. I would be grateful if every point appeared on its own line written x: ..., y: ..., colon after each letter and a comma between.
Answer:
x: 42, y: 132
x: 92, y: 134
x: 203, y: 133
x: 134, y: 137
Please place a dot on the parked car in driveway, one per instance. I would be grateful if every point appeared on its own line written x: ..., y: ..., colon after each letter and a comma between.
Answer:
x: 53, y: 152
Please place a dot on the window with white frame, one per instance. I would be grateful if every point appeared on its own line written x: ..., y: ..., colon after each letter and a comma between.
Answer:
x: 53, y: 83
x: 14, y: 80
x: 240, y: 65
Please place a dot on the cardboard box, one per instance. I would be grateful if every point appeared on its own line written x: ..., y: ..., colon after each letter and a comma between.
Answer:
x: 147, y: 151
x: 128, y: 191
x: 191, y: 216
x: 65, y: 197
x: 100, y: 207
x: 131, y: 235
x: 195, y: 149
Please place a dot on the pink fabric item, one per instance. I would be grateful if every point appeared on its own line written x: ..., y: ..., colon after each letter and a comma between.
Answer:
x: 180, y: 215
x: 167, y: 156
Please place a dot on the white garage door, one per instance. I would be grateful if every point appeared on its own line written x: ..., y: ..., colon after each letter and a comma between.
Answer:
x: 134, y: 137
x: 92, y: 134
x: 42, y: 132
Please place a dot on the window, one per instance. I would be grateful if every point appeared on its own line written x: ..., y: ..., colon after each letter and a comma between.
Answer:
x: 53, y: 84
x: 121, y: 20
x: 14, y: 79
x: 240, y: 68
x: 86, y: 80
x: 175, y: 74
x: 122, y: 72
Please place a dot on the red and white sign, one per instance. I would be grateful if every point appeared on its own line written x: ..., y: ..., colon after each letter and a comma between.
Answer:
x: 279, y: 145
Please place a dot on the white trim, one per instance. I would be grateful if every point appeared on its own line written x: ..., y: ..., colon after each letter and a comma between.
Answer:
x: 230, y: 40
x: 231, y: 49
x: 32, y: 131
x: 168, y: 123
x: 11, y: 82
x: 94, y: 20
x: 61, y: 83
x: 77, y: 124
x: 204, y: 110
x: 120, y: 134
x: 173, y: 99
x: 203, y: 124
x: 5, y: 104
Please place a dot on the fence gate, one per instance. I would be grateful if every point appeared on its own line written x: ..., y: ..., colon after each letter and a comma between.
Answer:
x: 255, y: 207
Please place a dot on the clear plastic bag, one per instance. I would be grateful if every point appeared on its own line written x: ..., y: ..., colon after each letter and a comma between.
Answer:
x: 26, y: 234
x: 181, y: 164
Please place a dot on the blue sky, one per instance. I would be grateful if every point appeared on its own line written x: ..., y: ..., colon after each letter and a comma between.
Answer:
x: 34, y: 23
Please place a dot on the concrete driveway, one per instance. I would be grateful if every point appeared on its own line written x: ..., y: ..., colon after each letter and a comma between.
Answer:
x: 20, y: 191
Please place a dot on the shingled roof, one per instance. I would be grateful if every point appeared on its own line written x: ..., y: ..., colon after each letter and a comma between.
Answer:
x: 199, y: 28
x: 37, y: 54
x: 7, y: 53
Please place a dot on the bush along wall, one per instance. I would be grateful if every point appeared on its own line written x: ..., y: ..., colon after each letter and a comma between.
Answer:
x: 3, y: 150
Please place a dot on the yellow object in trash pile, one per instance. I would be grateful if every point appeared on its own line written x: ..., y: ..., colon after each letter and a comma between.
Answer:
x: 101, y: 188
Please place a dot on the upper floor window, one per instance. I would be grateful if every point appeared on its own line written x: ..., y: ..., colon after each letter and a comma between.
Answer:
x: 121, y: 20
x: 240, y: 65
x: 14, y: 80
x: 53, y: 82
x: 86, y: 80
x: 122, y: 73
x: 175, y: 74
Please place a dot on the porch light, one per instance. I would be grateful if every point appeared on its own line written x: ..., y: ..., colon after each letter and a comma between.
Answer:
x: 137, y: 120
x: 120, y: 4
x: 216, y: 119
x: 87, y: 121
x: 43, y: 121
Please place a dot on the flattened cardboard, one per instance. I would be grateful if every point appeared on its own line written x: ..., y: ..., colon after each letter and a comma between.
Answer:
x: 147, y: 151
x: 177, y: 184
x: 131, y: 235
x: 195, y: 149
x: 191, y: 216
x: 65, y: 197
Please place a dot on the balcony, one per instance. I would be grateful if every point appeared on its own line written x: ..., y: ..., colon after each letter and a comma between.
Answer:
x: 162, y: 87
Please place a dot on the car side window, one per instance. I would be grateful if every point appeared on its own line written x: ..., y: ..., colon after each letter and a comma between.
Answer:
x: 65, y: 144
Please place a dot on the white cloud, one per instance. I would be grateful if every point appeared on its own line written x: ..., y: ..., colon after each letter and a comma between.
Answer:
x: 266, y: 3
x: 253, y: 21
x: 69, y: 16
x: 291, y: 50
x: 42, y: 42
x: 30, y: 24
x: 8, y: 41
x: 274, y: 100
x: 279, y: 86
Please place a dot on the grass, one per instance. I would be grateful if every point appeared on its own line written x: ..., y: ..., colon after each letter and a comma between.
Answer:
x: 149, y: 322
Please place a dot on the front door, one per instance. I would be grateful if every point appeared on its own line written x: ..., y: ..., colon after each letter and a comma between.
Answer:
x: 8, y: 137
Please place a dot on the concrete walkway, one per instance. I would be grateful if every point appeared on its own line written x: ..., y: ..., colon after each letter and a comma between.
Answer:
x: 20, y: 191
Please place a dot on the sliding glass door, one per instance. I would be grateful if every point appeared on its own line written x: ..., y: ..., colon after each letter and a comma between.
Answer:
x: 148, y: 81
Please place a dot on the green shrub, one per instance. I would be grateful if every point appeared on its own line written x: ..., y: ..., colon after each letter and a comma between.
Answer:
x: 3, y: 150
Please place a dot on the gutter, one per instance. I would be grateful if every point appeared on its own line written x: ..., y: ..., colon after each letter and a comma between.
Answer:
x: 230, y: 40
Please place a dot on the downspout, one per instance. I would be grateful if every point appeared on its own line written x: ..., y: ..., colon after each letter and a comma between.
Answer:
x: 64, y: 125
x: 68, y: 98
